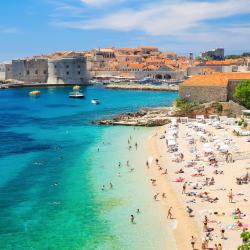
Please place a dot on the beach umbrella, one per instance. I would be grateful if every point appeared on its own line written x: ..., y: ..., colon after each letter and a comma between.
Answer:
x: 171, y: 142
x: 224, y: 148
x: 207, y: 145
x: 170, y: 137
x: 208, y: 150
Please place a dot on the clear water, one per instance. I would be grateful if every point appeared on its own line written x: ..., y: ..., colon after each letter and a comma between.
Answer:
x: 51, y: 172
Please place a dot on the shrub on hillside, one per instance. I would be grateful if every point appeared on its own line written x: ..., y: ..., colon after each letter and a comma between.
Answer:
x: 242, y: 93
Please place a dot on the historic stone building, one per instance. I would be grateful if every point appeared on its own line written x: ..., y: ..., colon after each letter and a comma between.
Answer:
x: 5, y: 71
x: 216, y: 54
x: 63, y: 70
x: 70, y: 70
x: 213, y: 87
x: 30, y: 70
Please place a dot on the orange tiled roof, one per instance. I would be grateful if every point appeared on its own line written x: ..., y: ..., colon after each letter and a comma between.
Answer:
x: 216, y: 79
x: 135, y: 65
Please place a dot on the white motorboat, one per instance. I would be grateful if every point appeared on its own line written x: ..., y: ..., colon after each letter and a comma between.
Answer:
x: 76, y: 94
x: 95, y: 101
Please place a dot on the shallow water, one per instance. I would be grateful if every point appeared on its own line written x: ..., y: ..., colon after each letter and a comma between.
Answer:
x: 51, y: 172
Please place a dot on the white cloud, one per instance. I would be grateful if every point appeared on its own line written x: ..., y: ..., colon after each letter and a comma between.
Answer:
x: 175, y: 22
x: 166, y: 17
x: 99, y: 2
x: 8, y: 30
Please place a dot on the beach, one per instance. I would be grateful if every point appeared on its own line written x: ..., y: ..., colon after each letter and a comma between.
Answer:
x: 220, y: 213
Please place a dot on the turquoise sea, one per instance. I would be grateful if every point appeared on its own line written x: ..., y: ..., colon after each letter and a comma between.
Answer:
x: 53, y: 163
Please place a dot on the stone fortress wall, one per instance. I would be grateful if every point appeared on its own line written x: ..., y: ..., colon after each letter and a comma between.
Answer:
x: 30, y: 70
x: 5, y: 71
x: 204, y: 93
x: 70, y: 70
x: 64, y: 70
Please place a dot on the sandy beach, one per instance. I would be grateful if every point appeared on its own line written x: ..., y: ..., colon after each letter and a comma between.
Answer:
x: 215, y: 202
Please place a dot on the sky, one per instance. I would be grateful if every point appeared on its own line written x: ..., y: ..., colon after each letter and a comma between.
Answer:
x: 32, y: 27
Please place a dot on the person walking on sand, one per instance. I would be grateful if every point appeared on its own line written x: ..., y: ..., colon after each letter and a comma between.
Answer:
x: 192, y: 241
x: 222, y: 232
x: 155, y: 196
x: 147, y: 164
x: 184, y: 187
x: 230, y: 196
x: 163, y: 196
x: 170, y: 215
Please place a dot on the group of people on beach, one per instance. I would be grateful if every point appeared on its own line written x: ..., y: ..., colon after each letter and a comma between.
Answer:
x: 199, y: 186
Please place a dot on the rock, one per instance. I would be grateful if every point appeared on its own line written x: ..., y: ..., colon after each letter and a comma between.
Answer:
x: 144, y: 117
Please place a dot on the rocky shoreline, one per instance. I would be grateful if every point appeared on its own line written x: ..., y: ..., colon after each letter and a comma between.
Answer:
x: 147, y: 87
x: 147, y: 117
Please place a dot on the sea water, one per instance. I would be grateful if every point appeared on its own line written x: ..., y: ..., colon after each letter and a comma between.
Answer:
x: 54, y: 162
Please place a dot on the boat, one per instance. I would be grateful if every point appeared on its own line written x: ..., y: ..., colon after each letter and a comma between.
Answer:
x: 95, y: 101
x: 34, y: 93
x: 76, y: 88
x: 76, y: 94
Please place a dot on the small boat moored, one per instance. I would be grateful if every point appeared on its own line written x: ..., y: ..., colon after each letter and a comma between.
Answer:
x: 34, y: 93
x: 76, y: 95
x: 95, y: 101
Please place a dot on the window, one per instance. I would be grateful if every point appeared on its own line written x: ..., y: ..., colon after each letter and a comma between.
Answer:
x: 79, y: 66
x: 55, y: 66
x: 36, y: 72
x: 27, y: 72
x: 67, y: 73
x: 79, y: 72
x: 45, y: 72
x: 67, y: 66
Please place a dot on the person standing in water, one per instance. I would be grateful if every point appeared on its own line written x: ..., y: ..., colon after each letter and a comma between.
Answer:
x: 132, y: 219
x: 136, y: 145
x: 110, y: 185
x: 169, y: 216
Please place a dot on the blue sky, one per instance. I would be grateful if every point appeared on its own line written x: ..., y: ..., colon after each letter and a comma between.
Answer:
x: 29, y: 27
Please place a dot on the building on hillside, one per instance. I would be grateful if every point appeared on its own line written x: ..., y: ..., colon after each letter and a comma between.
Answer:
x: 216, y: 54
x: 148, y: 49
x: 170, y: 55
x: 211, y: 87
x: 102, y: 54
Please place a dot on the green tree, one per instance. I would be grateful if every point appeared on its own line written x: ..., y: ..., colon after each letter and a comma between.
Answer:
x: 242, y: 93
x: 245, y: 236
